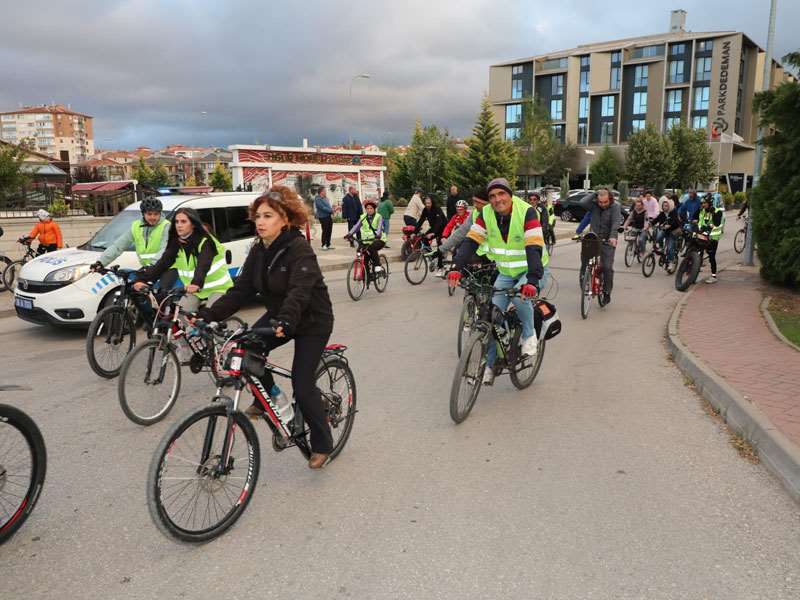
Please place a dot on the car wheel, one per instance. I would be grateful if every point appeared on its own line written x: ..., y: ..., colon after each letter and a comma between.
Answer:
x: 566, y: 216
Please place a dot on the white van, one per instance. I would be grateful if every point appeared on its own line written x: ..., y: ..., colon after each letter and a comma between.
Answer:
x: 58, y: 288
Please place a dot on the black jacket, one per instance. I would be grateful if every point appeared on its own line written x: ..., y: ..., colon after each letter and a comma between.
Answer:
x: 435, y: 218
x: 204, y: 258
x: 290, y: 283
x: 670, y: 220
x: 451, y: 206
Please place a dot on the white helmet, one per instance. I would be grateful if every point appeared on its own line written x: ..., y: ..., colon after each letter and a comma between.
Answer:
x: 42, y: 214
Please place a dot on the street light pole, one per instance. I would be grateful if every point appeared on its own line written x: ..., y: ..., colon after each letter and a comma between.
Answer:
x: 587, y: 181
x: 350, y: 100
x: 748, y: 238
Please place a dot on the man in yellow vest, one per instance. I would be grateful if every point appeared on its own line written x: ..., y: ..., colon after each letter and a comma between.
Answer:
x: 510, y: 228
x: 479, y: 199
x: 711, y: 221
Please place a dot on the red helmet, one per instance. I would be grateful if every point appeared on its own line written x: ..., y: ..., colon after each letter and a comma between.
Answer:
x: 372, y: 202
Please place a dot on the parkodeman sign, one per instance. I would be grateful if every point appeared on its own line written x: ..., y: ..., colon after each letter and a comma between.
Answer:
x: 720, y: 123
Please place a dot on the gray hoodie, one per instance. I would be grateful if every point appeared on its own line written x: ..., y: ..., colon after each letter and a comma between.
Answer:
x: 124, y: 243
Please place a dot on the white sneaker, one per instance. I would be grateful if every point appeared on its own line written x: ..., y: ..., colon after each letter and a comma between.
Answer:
x: 331, y: 247
x: 530, y: 346
x: 440, y: 273
x: 712, y: 279
x: 488, y: 376
x: 378, y: 269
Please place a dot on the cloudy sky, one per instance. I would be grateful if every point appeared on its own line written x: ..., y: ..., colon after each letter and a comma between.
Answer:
x: 205, y: 72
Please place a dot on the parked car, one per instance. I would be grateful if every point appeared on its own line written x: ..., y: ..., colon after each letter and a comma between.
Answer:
x: 571, y: 210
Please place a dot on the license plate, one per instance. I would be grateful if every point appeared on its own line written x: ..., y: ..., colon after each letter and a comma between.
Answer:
x: 25, y: 303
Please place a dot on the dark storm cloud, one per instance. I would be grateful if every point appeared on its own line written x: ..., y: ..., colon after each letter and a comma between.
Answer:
x: 155, y: 72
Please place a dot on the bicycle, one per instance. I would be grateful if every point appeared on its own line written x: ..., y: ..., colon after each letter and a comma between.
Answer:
x: 503, y: 329
x: 477, y: 283
x: 740, y: 239
x: 550, y: 240
x: 411, y: 241
x: 689, y: 267
x: 669, y: 262
x: 23, y: 464
x: 362, y: 272
x: 592, y: 279
x: 12, y: 268
x: 112, y: 333
x: 4, y: 262
x: 214, y: 451
x: 420, y: 261
x: 153, y: 369
x: 632, y: 248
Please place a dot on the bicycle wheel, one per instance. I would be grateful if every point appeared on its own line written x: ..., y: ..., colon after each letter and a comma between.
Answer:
x: 739, y: 240
x: 10, y: 274
x: 111, y: 336
x: 191, y: 496
x: 149, y: 382
x: 382, y: 279
x: 687, y: 272
x: 23, y: 464
x: 416, y: 268
x: 630, y: 252
x: 465, y: 321
x: 4, y: 262
x: 649, y: 264
x: 338, y: 386
x: 671, y: 264
x: 586, y: 293
x: 525, y: 369
x: 356, y: 288
x: 468, y: 377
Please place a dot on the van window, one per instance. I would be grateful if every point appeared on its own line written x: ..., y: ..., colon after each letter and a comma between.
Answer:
x: 228, y: 223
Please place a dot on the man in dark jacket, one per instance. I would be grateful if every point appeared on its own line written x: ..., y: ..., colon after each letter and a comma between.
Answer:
x: 689, y: 210
x: 605, y: 218
x: 452, y: 198
x: 351, y: 209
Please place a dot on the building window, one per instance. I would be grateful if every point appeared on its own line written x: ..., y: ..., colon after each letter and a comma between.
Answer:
x: 516, y: 70
x: 556, y: 111
x: 738, y: 126
x: 647, y: 52
x: 585, y: 60
x: 671, y: 122
x: 705, y: 46
x: 739, y: 102
x: 616, y: 57
x: 607, y: 133
x: 584, y: 81
x: 513, y: 113
x: 558, y: 132
x: 639, y: 103
x: 700, y: 122
x: 676, y: 71
x: 557, y: 85
x: 702, y: 69
x: 556, y: 63
x: 640, y: 76
x: 583, y: 133
x: 741, y: 71
x: 701, y: 98
x: 583, y: 107
x: 512, y: 133
x: 677, y: 49
x: 616, y: 73
x: 675, y: 101
x: 637, y: 125
x: 607, y: 106
x: 516, y: 88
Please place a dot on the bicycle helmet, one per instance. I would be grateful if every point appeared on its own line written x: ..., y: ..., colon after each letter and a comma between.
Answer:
x: 461, y: 204
x: 369, y: 202
x: 42, y: 214
x: 151, y: 205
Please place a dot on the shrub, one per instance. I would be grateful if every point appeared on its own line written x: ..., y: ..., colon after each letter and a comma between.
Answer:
x: 739, y: 198
x: 58, y: 208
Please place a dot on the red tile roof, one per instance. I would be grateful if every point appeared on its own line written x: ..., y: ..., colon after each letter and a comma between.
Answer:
x: 52, y: 108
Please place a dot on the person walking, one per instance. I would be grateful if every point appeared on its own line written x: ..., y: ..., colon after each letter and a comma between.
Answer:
x: 414, y: 209
x: 48, y: 232
x: 710, y: 221
x: 386, y: 210
x: 324, y: 211
x: 351, y: 209
x: 604, y: 220
x: 452, y: 200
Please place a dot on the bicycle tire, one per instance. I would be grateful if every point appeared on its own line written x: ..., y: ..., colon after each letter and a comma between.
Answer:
x: 405, y: 250
x: 10, y: 273
x: 416, y: 263
x: 739, y: 241
x: 356, y: 289
x: 687, y: 272
x: 22, y: 507
x: 474, y: 344
x: 524, y: 381
x: 132, y: 406
x: 332, y: 400
x: 649, y: 264
x: 586, y: 294
x: 4, y: 262
x: 630, y: 251
x: 467, y: 316
x: 157, y: 505
x: 383, y: 280
x: 111, y: 318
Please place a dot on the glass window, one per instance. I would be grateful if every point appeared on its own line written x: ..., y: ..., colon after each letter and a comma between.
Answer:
x: 677, y: 49
x: 584, y: 81
x: 702, y: 69
x: 701, y: 98
x: 739, y: 102
x: 585, y: 61
x: 516, y: 88
x: 741, y: 71
x: 674, y: 101
x: 637, y: 125
x: 513, y: 113
x: 615, y: 78
x: 583, y: 133
x: 607, y: 133
x: 676, y: 71
x: 512, y: 133
x: 583, y: 107
x: 639, y: 103
x: 607, y: 106
x: 558, y: 131
x: 705, y: 46
x: 557, y: 85
x: 556, y: 110
x: 700, y: 122
x: 616, y: 57
x: 516, y: 70
x: 556, y: 63
x: 671, y: 122
x: 640, y: 76
x: 738, y: 126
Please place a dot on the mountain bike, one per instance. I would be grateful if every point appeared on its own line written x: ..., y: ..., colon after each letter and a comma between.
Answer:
x: 689, y: 267
x: 204, y: 472
x: 477, y: 283
x: 362, y: 272
x: 420, y: 261
x: 150, y: 376
x: 504, y: 330
x: 633, y: 250
x: 658, y: 255
x: 23, y: 464
x: 13, y: 268
x: 112, y: 333
x: 592, y: 279
x: 740, y: 239
x: 411, y: 241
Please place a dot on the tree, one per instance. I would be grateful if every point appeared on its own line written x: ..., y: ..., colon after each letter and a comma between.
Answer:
x: 488, y: 155
x: 161, y: 176
x: 13, y: 177
x: 605, y: 169
x: 692, y: 158
x: 428, y: 163
x: 561, y: 157
x: 776, y: 198
x: 191, y: 182
x: 220, y: 178
x: 142, y: 173
x: 540, y: 152
x: 648, y: 158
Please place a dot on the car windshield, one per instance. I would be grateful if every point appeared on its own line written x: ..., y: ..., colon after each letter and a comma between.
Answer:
x: 114, y: 229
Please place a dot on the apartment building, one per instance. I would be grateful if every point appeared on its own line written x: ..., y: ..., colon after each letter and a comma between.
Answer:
x: 602, y: 93
x: 55, y: 130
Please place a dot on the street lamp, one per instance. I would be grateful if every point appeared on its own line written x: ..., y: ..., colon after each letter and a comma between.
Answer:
x: 350, y: 99
x: 587, y: 182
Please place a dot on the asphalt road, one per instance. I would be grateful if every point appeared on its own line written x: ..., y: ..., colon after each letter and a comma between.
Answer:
x: 605, y: 479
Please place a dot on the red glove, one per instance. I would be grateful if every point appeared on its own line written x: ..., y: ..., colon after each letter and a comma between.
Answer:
x: 454, y: 277
x: 528, y: 291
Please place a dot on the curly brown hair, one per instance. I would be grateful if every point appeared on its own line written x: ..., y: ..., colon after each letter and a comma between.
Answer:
x: 285, y: 202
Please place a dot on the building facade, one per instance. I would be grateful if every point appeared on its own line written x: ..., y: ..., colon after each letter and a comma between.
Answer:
x: 599, y: 94
x: 54, y: 130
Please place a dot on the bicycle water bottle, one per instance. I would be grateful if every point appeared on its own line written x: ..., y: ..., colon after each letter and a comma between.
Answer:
x: 283, y: 403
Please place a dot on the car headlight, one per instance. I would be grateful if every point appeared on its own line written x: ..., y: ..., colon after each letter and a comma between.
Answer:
x: 68, y: 274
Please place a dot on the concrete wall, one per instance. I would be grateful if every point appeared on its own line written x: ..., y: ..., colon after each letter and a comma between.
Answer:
x: 599, y: 71
x: 499, y: 84
x: 76, y: 231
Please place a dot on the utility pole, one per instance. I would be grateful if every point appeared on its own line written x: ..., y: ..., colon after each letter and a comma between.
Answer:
x: 748, y: 245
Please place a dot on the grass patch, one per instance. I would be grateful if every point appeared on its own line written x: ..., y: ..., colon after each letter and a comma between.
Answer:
x: 785, y: 311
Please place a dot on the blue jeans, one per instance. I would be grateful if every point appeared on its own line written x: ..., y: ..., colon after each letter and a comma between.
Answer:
x: 524, y: 308
x: 668, y: 242
x: 545, y: 280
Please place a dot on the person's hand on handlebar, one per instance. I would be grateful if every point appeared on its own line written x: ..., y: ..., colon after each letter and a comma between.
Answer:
x: 453, y: 278
x: 613, y: 242
x: 96, y: 266
x: 192, y: 288
x: 528, y: 291
x: 139, y: 286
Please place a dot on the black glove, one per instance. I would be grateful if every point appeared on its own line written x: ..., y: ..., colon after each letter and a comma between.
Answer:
x: 96, y: 266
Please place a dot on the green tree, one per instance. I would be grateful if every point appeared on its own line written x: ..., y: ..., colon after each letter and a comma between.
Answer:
x: 488, y: 155
x: 648, y: 158
x: 428, y: 163
x: 220, y: 178
x: 692, y: 158
x: 536, y: 143
x: 13, y: 177
x: 161, y: 176
x: 143, y: 173
x: 606, y: 169
x: 776, y: 198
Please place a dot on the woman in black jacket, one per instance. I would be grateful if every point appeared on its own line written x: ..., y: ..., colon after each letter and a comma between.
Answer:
x: 436, y: 223
x: 283, y: 269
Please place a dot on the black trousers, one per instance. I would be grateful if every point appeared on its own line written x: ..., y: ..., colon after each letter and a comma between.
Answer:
x: 712, y: 255
x: 372, y: 251
x: 410, y: 221
x: 606, y: 264
x: 307, y: 354
x: 327, y: 228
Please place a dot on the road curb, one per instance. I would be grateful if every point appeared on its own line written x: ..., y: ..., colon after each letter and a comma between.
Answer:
x: 771, y: 323
x: 777, y: 453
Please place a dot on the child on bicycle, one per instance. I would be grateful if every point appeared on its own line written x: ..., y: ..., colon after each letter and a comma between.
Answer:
x: 48, y: 232
x: 370, y: 224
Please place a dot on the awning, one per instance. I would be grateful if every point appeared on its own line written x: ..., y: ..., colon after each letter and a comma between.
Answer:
x: 100, y: 186
x: 42, y: 169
